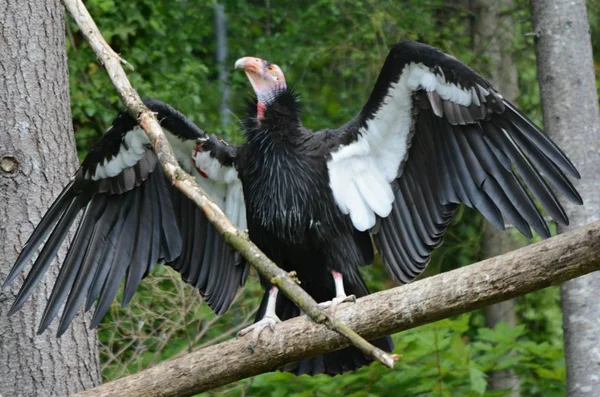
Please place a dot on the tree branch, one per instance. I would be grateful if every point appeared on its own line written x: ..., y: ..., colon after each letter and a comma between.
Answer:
x: 519, y: 272
x: 186, y: 184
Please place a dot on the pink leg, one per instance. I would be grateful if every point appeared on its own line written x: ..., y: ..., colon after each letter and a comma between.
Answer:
x: 268, y: 321
x: 340, y: 293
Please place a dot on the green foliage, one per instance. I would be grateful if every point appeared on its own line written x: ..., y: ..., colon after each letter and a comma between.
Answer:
x: 166, y: 318
x: 331, y: 52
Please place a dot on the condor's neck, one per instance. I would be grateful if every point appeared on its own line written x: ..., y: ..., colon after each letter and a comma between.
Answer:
x: 279, y: 120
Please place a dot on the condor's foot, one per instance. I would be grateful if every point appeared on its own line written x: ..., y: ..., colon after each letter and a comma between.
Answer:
x: 257, y: 328
x: 340, y: 294
x: 333, y: 304
x: 268, y: 321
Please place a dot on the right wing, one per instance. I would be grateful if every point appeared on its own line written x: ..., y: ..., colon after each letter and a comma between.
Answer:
x: 434, y: 134
x: 132, y: 219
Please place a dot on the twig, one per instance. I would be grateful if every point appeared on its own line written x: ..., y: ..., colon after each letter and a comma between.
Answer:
x: 186, y: 184
x: 537, y: 266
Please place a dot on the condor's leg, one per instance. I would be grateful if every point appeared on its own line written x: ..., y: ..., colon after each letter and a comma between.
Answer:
x: 340, y: 293
x: 269, y: 320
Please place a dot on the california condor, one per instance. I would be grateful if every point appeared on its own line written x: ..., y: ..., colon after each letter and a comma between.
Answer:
x: 433, y: 134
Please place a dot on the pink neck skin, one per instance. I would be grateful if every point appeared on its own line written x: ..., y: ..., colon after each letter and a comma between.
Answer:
x: 260, y: 110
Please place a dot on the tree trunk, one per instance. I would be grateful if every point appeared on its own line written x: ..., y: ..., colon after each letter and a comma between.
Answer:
x: 221, y: 35
x: 496, y: 242
x: 37, y: 158
x: 570, y: 105
x: 493, y: 36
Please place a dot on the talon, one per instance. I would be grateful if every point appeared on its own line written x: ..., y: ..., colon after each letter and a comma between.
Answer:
x: 242, y: 332
x: 257, y: 329
x: 269, y: 320
x: 340, y: 294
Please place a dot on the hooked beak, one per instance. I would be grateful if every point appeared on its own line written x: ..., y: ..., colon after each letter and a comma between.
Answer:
x: 265, y: 77
x: 251, y: 65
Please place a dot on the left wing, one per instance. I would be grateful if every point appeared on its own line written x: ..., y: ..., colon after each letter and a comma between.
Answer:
x: 129, y: 218
x: 434, y: 134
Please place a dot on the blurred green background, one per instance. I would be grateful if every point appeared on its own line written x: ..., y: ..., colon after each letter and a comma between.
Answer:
x: 331, y: 52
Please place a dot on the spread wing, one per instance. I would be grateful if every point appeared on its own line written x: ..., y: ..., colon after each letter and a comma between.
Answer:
x: 432, y: 135
x: 128, y: 219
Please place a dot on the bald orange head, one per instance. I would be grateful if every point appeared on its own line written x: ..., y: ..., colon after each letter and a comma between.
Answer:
x: 266, y: 78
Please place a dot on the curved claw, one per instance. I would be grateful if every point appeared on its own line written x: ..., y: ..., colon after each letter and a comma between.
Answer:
x: 257, y: 328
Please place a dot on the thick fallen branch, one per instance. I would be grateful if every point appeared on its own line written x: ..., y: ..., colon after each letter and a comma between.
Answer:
x: 184, y: 182
x: 519, y: 272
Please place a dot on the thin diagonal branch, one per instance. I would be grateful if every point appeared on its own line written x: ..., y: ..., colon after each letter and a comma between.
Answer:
x: 537, y: 266
x: 186, y: 183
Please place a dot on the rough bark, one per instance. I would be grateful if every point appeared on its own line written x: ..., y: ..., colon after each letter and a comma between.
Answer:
x: 37, y: 158
x: 570, y: 106
x: 493, y: 36
x: 188, y: 186
x: 471, y: 287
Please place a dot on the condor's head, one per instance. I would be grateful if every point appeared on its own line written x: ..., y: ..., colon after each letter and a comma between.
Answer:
x: 273, y: 98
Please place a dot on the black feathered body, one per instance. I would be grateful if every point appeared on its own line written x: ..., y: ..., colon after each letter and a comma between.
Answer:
x: 291, y: 213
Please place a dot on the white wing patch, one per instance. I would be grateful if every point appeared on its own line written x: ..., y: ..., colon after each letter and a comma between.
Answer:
x: 182, y: 149
x: 213, y: 169
x: 222, y: 185
x: 360, y: 173
x: 420, y: 77
x: 131, y: 151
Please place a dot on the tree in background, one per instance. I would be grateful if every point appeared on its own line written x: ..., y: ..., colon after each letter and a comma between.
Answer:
x: 37, y: 158
x: 493, y: 32
x: 570, y: 104
x: 221, y: 57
